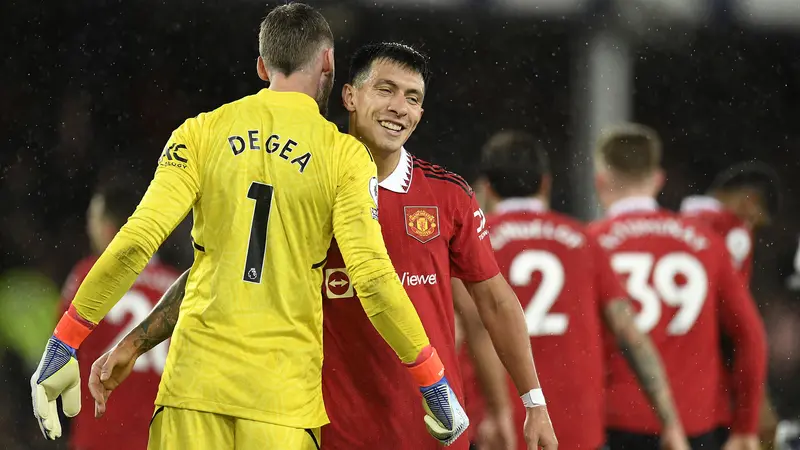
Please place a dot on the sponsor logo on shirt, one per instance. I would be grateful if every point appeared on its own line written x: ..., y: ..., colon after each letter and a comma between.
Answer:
x: 409, y: 279
x: 422, y: 222
x: 337, y: 284
x: 172, y: 156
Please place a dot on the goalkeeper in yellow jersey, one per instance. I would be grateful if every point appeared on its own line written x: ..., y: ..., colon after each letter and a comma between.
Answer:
x: 270, y: 182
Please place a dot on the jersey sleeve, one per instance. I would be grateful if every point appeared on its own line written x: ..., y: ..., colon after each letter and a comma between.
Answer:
x: 740, y: 320
x: 609, y: 287
x: 358, y: 234
x: 471, y: 253
x: 172, y: 193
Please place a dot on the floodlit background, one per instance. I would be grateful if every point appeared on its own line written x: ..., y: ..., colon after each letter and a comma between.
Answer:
x: 92, y: 89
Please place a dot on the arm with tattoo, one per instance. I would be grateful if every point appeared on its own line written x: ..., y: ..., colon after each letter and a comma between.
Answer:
x: 643, y: 358
x: 160, y: 323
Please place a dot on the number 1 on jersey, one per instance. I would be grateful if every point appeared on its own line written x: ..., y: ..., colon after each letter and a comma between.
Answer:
x: 257, y: 246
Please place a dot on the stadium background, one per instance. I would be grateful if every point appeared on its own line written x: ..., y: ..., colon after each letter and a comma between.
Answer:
x: 91, y: 89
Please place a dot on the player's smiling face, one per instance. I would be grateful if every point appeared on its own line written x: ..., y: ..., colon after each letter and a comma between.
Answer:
x: 386, y: 106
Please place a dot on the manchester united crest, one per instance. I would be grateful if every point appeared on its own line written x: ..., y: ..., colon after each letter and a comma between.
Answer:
x: 422, y: 222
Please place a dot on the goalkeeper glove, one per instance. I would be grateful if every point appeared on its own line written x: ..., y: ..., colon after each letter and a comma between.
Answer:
x: 445, y: 418
x: 58, y: 375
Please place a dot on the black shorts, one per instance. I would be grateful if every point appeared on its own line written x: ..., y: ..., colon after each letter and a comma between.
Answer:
x: 623, y: 440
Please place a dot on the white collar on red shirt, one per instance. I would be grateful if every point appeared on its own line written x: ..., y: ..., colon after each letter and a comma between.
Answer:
x: 632, y: 204
x: 697, y: 203
x: 400, y: 179
x: 520, y: 204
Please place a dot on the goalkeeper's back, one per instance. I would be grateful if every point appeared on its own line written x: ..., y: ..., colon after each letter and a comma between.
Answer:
x: 274, y: 179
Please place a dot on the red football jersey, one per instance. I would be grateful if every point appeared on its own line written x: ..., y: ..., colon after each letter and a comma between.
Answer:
x: 686, y: 291
x: 126, y: 421
x: 433, y: 228
x: 737, y: 235
x: 563, y: 280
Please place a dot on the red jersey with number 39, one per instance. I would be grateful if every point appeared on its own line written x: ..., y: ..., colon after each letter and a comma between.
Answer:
x: 685, y: 291
x: 432, y: 227
x: 125, y: 424
x: 563, y: 281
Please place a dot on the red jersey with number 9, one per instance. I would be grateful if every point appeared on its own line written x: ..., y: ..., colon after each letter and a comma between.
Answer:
x: 126, y: 421
x: 738, y: 237
x: 685, y: 291
x: 563, y: 281
x: 432, y: 227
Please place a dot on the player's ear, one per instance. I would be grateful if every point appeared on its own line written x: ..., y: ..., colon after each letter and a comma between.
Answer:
x: 658, y: 181
x: 349, y: 97
x: 328, y: 63
x: 546, y: 186
x: 262, y: 70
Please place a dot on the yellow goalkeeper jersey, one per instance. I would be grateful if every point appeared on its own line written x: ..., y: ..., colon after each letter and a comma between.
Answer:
x: 270, y: 181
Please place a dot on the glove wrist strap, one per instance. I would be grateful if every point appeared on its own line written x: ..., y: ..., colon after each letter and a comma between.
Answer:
x: 72, y: 329
x: 428, y: 369
x: 533, y: 398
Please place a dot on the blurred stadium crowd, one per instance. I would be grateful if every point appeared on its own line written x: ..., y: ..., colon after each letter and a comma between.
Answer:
x: 91, y: 91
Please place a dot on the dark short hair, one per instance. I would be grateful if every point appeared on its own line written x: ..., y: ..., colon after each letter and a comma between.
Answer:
x: 751, y: 175
x: 121, y: 196
x: 401, y: 54
x: 632, y: 150
x: 291, y: 35
x: 514, y: 163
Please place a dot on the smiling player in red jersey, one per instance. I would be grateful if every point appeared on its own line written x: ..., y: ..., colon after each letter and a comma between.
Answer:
x: 740, y: 200
x: 434, y: 229
x: 687, y: 291
x: 125, y: 425
x: 569, y: 293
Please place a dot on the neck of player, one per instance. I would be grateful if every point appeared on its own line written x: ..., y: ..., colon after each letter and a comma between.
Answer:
x: 297, y: 82
x: 386, y: 160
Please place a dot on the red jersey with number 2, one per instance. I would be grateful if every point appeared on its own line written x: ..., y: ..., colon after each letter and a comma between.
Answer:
x: 685, y: 290
x: 433, y: 228
x: 563, y: 281
x: 126, y: 421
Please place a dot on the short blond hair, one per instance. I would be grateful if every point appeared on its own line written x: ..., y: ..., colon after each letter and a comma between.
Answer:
x: 631, y: 150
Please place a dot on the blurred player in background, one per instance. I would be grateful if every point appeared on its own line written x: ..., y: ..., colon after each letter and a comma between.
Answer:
x: 687, y: 290
x: 270, y: 181
x: 741, y: 199
x: 126, y: 425
x: 433, y: 228
x: 569, y: 292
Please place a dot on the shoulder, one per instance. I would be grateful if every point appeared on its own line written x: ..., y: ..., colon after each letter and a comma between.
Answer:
x: 597, y: 227
x: 442, y: 178
x: 350, y: 144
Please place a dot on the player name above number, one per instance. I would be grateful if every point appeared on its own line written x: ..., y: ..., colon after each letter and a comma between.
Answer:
x: 507, y: 232
x: 273, y: 145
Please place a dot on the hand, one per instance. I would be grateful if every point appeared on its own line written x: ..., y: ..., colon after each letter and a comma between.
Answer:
x: 57, y: 375
x: 674, y: 438
x: 108, y: 372
x: 445, y: 417
x: 497, y: 432
x: 742, y: 442
x: 539, y: 430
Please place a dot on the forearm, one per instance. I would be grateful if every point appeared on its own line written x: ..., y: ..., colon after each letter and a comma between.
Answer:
x: 488, y: 368
x: 160, y: 323
x: 644, y: 359
x: 502, y: 315
x: 749, y: 374
x: 393, y: 316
